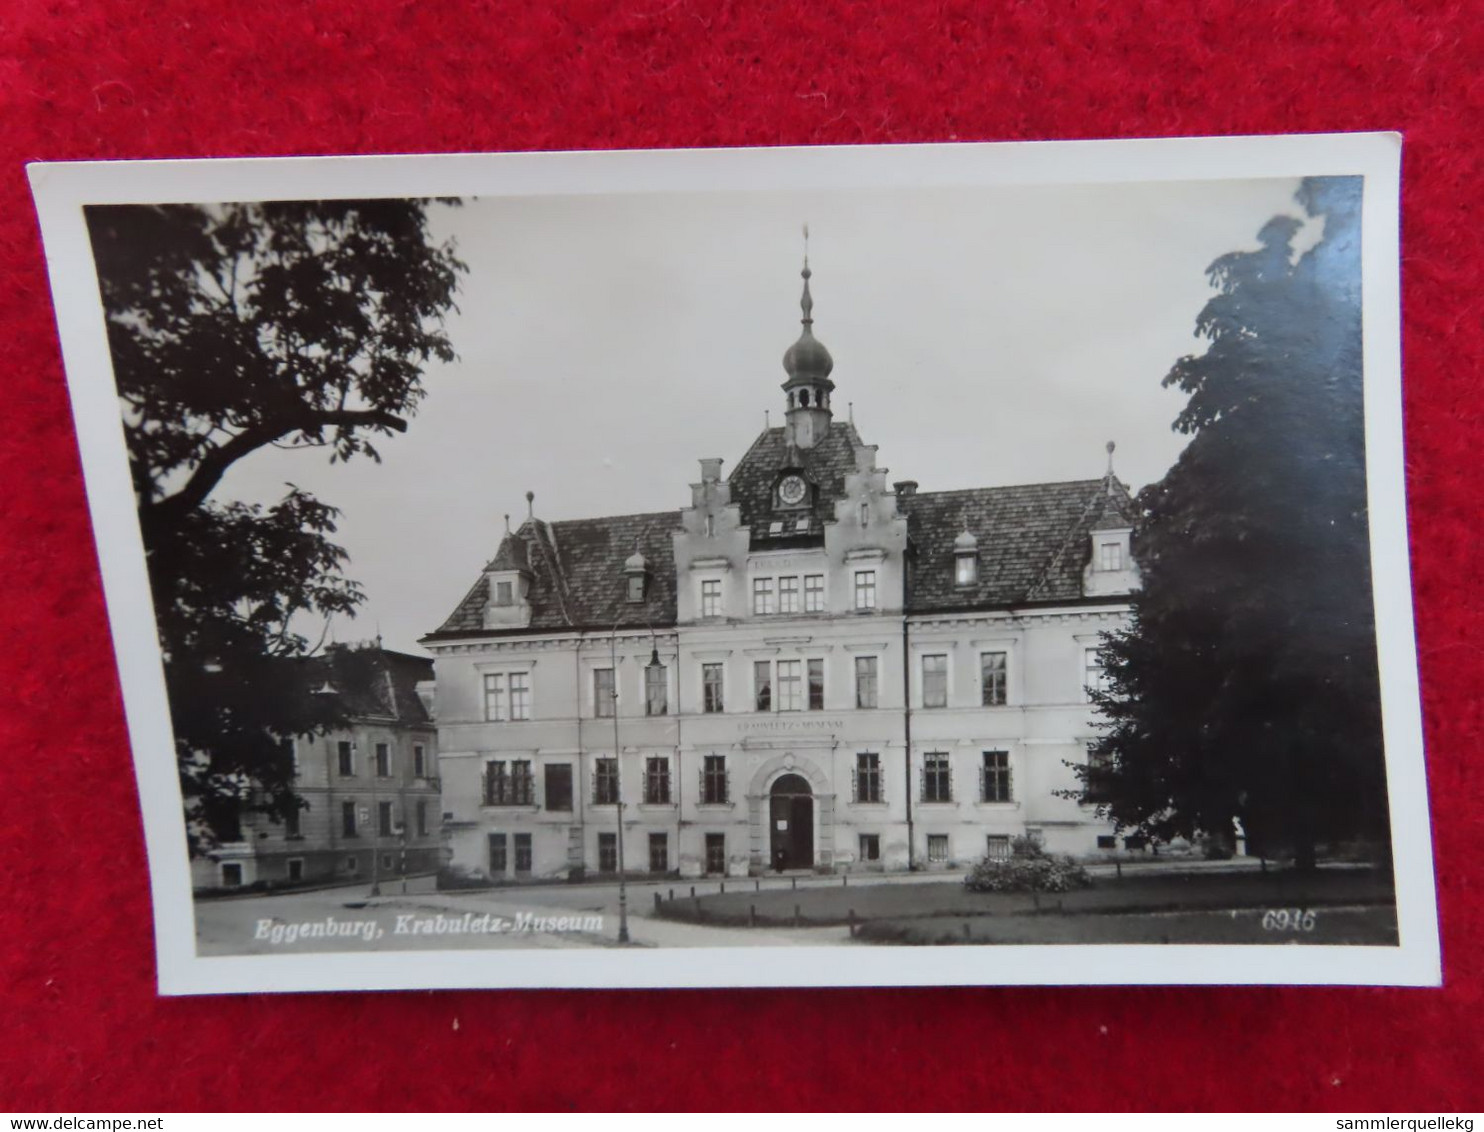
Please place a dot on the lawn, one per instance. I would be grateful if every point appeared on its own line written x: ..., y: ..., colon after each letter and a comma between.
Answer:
x: 1351, y: 905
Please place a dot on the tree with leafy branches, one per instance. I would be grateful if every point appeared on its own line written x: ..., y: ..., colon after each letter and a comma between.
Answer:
x: 234, y: 328
x: 1246, y: 685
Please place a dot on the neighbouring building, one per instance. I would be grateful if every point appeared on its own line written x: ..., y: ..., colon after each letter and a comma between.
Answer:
x: 370, y: 791
x: 805, y: 668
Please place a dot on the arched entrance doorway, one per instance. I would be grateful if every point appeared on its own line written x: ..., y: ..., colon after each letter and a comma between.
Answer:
x: 791, y: 810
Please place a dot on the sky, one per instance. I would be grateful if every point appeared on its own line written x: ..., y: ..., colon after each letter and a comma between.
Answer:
x: 606, y: 343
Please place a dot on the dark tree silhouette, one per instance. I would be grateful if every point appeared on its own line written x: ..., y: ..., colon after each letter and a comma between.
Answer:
x: 232, y: 328
x: 1246, y: 685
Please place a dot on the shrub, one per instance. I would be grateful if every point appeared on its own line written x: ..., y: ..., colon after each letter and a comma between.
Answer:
x: 1029, y: 868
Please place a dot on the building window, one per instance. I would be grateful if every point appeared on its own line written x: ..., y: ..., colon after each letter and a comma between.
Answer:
x: 865, y: 589
x: 504, y: 593
x: 716, y: 853
x: 605, y: 782
x: 522, y: 853
x: 935, y: 680
x: 657, y: 781
x: 762, y: 595
x: 296, y: 868
x: 1094, y: 678
x: 788, y: 595
x: 992, y: 680
x: 813, y: 593
x: 636, y: 588
x: 938, y: 848
x: 937, y: 777
x: 868, y: 777
x: 384, y: 819
x: 422, y: 818
x: 998, y: 847
x: 522, y: 783
x: 870, y: 847
x: 762, y: 685
x: 605, y: 703
x: 232, y: 874
x: 494, y: 696
x: 711, y: 596
x: 1107, y: 841
x: 348, y: 819
x: 496, y: 784
x: 607, y: 853
x: 656, y: 699
x: 965, y: 570
x: 714, y: 780
x: 419, y: 761
x: 996, y: 777
x: 711, y: 689
x: 383, y: 760
x: 865, y: 681
x: 816, y: 684
x: 659, y: 853
x: 386, y: 860
x: 790, y: 685
x: 346, y: 753
x: 1096, y: 787
x: 559, y: 787
x: 520, y: 695
x: 291, y: 823
x: 1110, y: 556
x: 499, y: 863
x: 352, y: 865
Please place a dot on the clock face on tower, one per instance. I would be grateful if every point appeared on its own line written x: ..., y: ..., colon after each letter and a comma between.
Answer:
x: 791, y: 490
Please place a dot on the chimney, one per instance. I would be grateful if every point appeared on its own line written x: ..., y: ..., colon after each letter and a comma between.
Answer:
x: 905, y: 489
x: 865, y: 458
x: 711, y: 469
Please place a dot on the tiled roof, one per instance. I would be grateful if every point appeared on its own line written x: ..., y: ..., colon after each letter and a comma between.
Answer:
x: 1033, y: 542
x: 825, y: 465
x: 577, y: 578
x: 372, y: 682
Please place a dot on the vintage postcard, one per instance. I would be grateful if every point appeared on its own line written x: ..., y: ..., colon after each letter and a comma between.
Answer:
x: 957, y: 564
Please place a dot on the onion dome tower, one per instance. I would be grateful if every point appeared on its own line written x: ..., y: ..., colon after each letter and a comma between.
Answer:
x: 808, y: 365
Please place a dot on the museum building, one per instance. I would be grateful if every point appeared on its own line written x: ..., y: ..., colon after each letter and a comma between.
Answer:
x: 807, y: 668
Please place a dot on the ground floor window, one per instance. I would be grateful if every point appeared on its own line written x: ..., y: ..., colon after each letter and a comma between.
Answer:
x: 231, y: 875
x: 352, y: 865
x: 716, y: 852
x: 386, y: 860
x: 1107, y: 841
x: 870, y: 847
x: 296, y: 868
x: 938, y: 847
x: 522, y: 852
x: 499, y: 861
x: 659, y: 853
x: 999, y: 847
x: 607, y: 853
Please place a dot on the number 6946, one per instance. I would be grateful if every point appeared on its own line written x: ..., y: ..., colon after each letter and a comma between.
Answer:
x: 1289, y: 920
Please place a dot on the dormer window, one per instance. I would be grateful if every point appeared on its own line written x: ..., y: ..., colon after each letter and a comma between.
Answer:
x: 966, y: 559
x: 504, y: 593
x: 635, y: 570
x: 775, y: 528
x: 1110, y: 556
x: 802, y: 525
x: 636, y: 587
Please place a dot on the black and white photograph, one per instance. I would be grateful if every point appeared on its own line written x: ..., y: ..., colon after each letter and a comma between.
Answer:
x: 915, y: 564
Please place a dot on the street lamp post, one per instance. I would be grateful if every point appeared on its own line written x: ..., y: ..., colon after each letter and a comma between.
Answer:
x: 654, y: 665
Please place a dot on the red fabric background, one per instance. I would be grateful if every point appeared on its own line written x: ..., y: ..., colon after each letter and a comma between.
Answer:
x: 82, y: 1027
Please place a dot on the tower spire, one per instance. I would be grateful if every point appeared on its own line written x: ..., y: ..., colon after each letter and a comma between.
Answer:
x: 806, y: 302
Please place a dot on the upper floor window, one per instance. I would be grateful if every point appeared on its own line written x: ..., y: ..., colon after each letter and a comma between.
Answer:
x: 384, y: 823
x: 865, y: 589
x: 291, y: 823
x: 520, y: 695
x: 966, y: 570
x: 816, y: 684
x: 605, y: 701
x: 992, y: 691
x: 1110, y: 556
x: 935, y: 680
x: 711, y: 597
x: 419, y: 761
x: 868, y: 777
x: 865, y: 681
x: 383, y: 760
x: 559, y: 787
x: 504, y: 593
x: 813, y: 593
x: 937, y: 777
x: 995, y: 784
x: 762, y: 596
x: 714, y: 780
x: 711, y: 689
x: 422, y: 818
x: 656, y: 699
x: 657, y: 781
x: 346, y: 755
x: 790, y: 685
x: 1094, y: 678
x: 605, y: 782
x: 788, y: 595
x: 495, y: 703
x: 762, y: 685
x: 348, y: 819
x: 509, y: 784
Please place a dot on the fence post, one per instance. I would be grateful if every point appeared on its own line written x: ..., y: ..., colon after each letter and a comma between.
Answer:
x: 757, y: 886
x: 723, y: 886
x: 966, y: 931
x: 845, y: 881
x: 1119, y: 866
x: 692, y: 892
x: 794, y: 883
x: 752, y: 915
x: 851, y: 921
x: 796, y: 915
x: 657, y: 901
x: 672, y: 894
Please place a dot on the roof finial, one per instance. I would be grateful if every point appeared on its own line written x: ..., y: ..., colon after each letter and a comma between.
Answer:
x: 767, y: 418
x: 507, y: 522
x: 850, y: 407
x: 1109, y: 477
x: 530, y: 504
x: 806, y: 303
